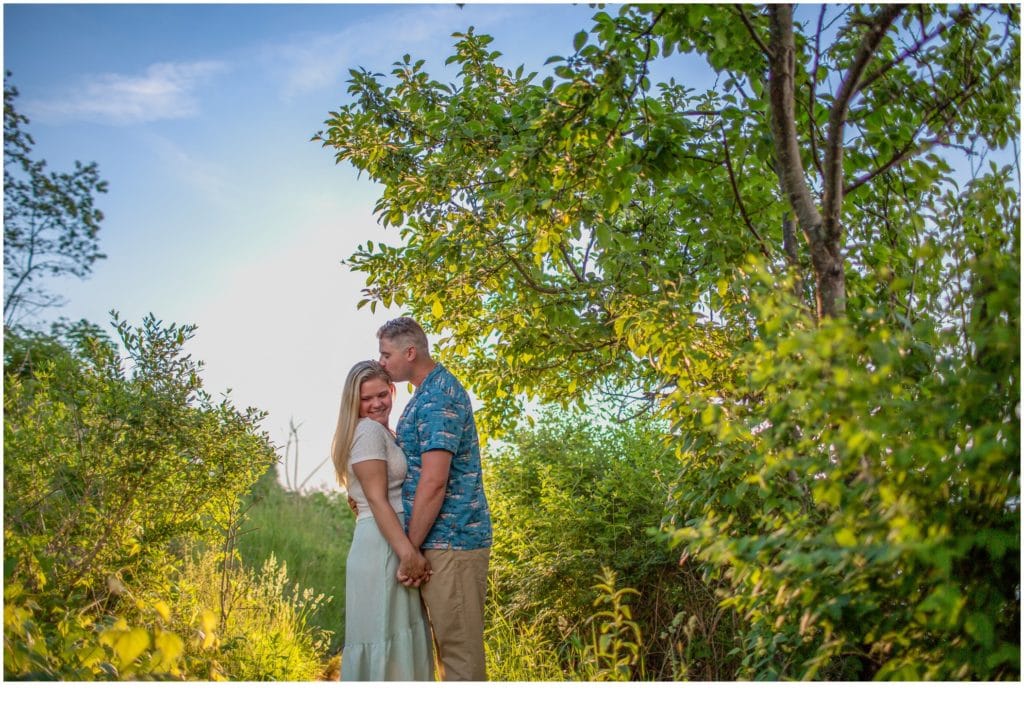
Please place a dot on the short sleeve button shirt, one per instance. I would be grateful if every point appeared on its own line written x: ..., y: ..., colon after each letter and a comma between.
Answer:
x: 439, y: 417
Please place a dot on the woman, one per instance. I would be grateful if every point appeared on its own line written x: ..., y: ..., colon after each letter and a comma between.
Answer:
x: 386, y: 632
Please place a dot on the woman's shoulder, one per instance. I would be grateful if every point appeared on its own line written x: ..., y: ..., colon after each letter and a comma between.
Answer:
x: 368, y: 426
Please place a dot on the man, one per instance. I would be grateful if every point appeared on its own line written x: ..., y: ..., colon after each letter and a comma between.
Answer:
x: 443, y: 495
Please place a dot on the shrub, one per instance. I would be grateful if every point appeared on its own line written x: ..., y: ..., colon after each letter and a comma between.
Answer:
x: 572, y: 496
x: 49, y: 637
x: 115, y: 462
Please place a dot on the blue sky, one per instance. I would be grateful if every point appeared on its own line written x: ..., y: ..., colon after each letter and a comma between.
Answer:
x: 221, y: 211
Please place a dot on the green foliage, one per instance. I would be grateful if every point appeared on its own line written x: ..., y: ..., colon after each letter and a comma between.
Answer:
x: 262, y: 629
x: 311, y: 533
x: 51, y: 224
x: 536, y: 215
x: 49, y: 638
x: 615, y: 652
x: 517, y: 650
x: 570, y: 497
x: 869, y: 526
x: 115, y: 463
x: 852, y: 481
x: 109, y: 460
x: 223, y: 621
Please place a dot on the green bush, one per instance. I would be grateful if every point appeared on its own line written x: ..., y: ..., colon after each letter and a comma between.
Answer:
x: 573, y: 496
x: 109, y: 460
x: 48, y: 637
x: 858, y: 484
x: 115, y: 463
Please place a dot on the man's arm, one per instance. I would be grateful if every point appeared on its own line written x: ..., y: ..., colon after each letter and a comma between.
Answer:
x: 429, y: 496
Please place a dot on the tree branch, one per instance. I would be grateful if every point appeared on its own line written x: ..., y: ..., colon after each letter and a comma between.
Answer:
x: 909, y: 151
x: 568, y: 261
x: 528, y: 279
x: 753, y: 32
x: 739, y: 199
x: 965, y: 14
x: 783, y: 120
x: 912, y: 149
x: 833, y: 196
x: 813, y: 94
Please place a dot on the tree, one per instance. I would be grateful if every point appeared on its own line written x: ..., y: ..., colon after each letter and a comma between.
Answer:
x: 559, y: 208
x: 51, y: 224
x: 787, y: 267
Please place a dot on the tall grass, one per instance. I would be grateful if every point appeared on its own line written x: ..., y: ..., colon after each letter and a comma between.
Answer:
x: 522, y: 651
x: 311, y: 533
x: 255, y: 623
x: 518, y: 652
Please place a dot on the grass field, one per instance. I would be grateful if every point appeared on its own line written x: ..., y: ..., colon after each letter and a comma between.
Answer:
x: 311, y: 533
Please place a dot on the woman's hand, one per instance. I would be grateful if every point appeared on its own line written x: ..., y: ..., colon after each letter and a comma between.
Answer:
x: 413, y: 569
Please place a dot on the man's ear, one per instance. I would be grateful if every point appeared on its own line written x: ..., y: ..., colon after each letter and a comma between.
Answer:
x: 410, y: 354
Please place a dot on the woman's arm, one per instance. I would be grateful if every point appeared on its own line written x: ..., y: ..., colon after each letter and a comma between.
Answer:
x: 373, y: 477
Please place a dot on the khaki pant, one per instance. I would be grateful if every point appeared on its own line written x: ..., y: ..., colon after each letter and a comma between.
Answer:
x: 454, y: 597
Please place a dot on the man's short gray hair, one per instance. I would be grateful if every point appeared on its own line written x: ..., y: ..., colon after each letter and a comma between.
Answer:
x: 405, y: 332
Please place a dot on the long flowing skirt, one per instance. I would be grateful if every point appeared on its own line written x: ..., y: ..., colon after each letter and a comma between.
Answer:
x: 386, y: 633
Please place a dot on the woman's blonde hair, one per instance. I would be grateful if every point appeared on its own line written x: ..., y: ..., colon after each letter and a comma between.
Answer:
x: 348, y: 414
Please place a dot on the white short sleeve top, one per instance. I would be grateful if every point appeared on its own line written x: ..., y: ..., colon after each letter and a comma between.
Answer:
x: 372, y: 441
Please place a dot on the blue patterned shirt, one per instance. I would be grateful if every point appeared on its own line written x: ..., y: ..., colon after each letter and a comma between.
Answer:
x: 440, y: 417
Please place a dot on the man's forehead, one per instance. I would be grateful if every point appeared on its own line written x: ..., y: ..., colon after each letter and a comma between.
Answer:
x: 389, y: 344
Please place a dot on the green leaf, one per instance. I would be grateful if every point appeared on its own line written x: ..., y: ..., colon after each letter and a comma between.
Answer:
x: 846, y: 538
x: 979, y: 626
x: 130, y: 644
x: 169, y: 649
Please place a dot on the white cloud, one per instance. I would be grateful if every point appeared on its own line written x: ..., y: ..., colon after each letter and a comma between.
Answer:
x: 164, y: 91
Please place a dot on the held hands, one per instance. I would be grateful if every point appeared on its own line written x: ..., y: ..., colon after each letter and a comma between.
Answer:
x: 413, y: 570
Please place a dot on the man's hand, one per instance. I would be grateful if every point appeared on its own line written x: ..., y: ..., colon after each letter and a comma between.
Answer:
x: 352, y: 505
x: 413, y: 570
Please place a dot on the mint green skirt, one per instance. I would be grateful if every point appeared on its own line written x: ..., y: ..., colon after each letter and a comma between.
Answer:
x: 386, y: 633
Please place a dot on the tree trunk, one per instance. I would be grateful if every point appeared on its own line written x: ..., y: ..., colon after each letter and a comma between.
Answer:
x: 830, y: 287
x: 822, y: 228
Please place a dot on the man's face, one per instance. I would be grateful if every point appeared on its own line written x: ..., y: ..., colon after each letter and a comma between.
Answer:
x: 395, y: 359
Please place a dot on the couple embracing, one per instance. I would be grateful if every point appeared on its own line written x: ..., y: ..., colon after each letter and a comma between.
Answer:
x: 423, y: 529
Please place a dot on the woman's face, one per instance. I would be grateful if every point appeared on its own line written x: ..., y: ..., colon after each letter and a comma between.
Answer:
x: 375, y: 400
